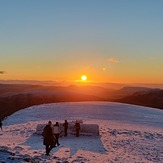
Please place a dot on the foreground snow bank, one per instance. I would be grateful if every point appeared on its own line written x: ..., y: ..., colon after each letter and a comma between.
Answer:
x: 118, y: 140
x: 117, y: 143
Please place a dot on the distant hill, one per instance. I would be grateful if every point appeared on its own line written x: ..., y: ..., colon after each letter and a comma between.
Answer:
x: 131, y: 90
x: 150, y: 98
x: 13, y: 103
x: 126, y: 91
x: 14, y: 97
x: 11, y: 89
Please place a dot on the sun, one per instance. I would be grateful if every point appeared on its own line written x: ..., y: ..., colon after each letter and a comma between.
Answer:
x: 83, y: 77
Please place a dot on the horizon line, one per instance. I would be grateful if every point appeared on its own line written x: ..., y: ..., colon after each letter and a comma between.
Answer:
x: 77, y: 81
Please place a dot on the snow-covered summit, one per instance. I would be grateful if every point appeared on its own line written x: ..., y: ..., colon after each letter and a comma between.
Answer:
x: 128, y: 133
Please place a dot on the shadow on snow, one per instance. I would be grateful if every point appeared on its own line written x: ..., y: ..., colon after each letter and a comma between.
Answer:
x: 86, y: 143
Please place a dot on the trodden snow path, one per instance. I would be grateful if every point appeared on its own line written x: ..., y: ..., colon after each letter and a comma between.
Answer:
x: 124, y: 135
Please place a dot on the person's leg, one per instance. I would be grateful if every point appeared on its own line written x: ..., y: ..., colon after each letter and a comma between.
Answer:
x: 47, y: 150
x: 77, y: 133
x: 51, y: 147
x: 57, y: 137
x: 65, y: 132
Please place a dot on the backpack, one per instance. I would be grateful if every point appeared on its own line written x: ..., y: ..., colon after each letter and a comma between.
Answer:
x: 44, y: 133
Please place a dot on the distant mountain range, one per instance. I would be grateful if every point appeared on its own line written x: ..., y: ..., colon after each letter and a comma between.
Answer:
x: 151, y: 98
x: 14, y: 97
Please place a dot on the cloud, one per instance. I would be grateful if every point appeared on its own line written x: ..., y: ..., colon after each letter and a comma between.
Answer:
x: 113, y: 60
x: 2, y: 72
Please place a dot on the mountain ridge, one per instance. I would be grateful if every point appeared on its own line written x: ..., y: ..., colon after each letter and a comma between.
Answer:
x: 14, y: 97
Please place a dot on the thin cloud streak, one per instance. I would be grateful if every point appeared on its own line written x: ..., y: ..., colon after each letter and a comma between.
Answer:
x: 113, y: 60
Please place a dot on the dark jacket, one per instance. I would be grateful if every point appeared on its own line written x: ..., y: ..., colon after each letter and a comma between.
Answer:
x: 65, y: 125
x: 0, y: 124
x: 48, y: 138
x: 77, y: 126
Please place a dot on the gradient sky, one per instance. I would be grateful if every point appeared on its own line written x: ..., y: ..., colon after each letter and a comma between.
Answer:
x: 108, y: 40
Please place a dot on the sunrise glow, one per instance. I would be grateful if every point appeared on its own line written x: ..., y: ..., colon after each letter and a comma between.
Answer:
x: 83, y: 77
x: 56, y: 41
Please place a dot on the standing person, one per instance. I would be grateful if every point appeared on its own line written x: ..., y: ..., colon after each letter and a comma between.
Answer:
x: 1, y: 125
x: 56, y: 132
x: 49, y: 140
x: 65, y: 127
x: 77, y: 127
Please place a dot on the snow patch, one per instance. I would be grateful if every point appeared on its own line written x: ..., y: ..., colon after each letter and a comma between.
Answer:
x: 118, y: 140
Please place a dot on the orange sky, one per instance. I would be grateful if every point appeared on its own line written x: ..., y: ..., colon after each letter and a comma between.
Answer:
x: 117, y: 42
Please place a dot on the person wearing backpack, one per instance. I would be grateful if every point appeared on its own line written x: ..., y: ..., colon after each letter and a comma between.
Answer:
x: 49, y: 140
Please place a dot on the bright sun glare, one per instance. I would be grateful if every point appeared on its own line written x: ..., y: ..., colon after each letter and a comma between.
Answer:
x: 83, y: 77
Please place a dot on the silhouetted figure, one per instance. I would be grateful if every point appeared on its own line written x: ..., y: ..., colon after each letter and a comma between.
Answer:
x: 56, y: 132
x: 65, y: 127
x: 1, y: 125
x: 77, y: 128
x: 49, y: 140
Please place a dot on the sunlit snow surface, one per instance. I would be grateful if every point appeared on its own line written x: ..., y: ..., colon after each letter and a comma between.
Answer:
x: 128, y: 133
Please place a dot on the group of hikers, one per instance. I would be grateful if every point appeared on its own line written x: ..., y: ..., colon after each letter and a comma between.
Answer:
x: 51, y: 134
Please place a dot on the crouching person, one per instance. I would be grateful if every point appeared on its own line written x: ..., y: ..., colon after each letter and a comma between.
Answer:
x: 49, y: 140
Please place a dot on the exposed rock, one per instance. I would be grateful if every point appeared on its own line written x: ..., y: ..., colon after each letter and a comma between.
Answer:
x: 85, y: 129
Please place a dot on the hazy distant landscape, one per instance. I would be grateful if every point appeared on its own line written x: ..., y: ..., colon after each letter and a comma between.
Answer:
x: 14, y: 97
